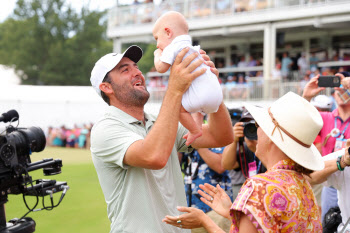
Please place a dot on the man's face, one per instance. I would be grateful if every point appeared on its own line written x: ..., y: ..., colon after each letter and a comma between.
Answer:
x: 128, y: 83
x: 339, y: 100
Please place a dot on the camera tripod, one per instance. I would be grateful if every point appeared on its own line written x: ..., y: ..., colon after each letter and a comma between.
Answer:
x: 25, y: 225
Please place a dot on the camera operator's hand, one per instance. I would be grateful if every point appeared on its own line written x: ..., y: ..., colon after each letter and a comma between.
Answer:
x: 238, y: 131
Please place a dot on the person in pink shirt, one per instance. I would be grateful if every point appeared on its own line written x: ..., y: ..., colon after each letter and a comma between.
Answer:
x: 335, y: 129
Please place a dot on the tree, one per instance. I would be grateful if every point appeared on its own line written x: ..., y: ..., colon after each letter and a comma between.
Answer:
x: 48, y: 43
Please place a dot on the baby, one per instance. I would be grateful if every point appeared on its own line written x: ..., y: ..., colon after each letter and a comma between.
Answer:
x: 204, y: 96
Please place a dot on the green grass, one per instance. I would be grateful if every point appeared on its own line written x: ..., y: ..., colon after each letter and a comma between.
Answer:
x: 83, y: 209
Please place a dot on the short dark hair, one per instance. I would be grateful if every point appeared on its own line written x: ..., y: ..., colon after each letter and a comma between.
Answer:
x: 106, y: 79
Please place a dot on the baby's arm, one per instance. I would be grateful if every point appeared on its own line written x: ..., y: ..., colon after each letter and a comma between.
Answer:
x: 161, y: 67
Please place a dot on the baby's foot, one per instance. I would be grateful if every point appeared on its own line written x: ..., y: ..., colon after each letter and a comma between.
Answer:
x: 191, y: 136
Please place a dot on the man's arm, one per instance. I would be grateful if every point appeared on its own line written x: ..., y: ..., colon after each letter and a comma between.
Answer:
x: 331, y: 166
x: 229, y: 157
x: 311, y: 89
x: 213, y: 160
x: 218, y: 132
x: 319, y: 177
x: 154, y: 150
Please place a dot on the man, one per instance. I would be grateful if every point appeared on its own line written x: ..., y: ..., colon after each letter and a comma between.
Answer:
x: 303, y: 65
x: 134, y: 154
x: 334, y: 133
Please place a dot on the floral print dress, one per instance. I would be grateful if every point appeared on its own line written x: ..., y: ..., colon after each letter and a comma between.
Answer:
x: 280, y: 200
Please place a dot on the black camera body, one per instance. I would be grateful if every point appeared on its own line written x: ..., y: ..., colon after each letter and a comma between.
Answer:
x: 250, y: 130
x: 16, y: 146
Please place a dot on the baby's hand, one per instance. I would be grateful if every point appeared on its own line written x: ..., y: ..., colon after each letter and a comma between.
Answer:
x: 158, y: 52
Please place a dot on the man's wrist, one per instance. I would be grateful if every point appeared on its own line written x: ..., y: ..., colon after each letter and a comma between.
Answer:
x: 340, y: 164
x: 342, y: 161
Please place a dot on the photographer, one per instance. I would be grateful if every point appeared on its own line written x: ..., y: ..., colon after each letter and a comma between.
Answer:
x: 240, y: 154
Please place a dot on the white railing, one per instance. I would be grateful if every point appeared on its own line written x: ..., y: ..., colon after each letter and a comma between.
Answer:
x: 148, y: 12
x: 252, y: 90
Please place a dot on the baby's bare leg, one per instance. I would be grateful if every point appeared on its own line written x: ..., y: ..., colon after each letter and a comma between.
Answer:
x: 191, y: 124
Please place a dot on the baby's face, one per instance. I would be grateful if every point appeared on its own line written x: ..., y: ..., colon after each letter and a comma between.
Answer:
x: 162, y: 38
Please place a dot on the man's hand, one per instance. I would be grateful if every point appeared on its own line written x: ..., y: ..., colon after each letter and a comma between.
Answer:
x: 345, y: 81
x: 209, y: 63
x: 346, y: 156
x: 311, y: 89
x: 182, y: 72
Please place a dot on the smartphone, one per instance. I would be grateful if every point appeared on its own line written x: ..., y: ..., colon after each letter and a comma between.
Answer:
x: 329, y: 81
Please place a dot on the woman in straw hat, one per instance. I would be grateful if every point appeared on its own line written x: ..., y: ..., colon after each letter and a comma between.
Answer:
x: 280, y: 200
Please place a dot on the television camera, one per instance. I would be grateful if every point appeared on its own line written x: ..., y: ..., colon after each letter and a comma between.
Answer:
x: 16, y: 146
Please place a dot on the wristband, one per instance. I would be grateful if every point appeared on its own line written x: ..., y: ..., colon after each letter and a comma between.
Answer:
x: 338, y: 164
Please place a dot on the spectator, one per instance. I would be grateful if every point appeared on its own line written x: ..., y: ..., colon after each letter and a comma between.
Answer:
x: 252, y: 63
x: 333, y: 134
x: 240, y: 155
x: 280, y: 200
x: 204, y: 166
x: 230, y: 85
x: 240, y: 91
x: 286, y: 65
x: 313, y: 61
x: 303, y: 64
x: 242, y: 64
x: 336, y: 174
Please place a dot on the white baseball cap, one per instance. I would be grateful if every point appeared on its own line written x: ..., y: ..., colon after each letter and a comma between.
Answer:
x: 322, y: 101
x: 108, y: 62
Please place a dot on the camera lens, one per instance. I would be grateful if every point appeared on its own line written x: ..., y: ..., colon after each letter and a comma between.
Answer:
x: 250, y: 130
x: 32, y: 139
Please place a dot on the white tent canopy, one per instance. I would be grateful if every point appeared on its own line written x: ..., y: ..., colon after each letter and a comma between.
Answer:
x: 8, y: 76
x: 55, y: 106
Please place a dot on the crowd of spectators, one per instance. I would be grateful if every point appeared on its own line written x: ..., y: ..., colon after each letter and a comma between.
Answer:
x: 76, y: 137
x: 238, y: 85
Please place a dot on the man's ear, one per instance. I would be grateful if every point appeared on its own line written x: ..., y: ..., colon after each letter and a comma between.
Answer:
x: 168, y: 32
x: 106, y: 88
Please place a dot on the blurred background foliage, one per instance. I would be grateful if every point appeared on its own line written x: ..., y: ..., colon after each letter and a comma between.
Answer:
x: 49, y: 43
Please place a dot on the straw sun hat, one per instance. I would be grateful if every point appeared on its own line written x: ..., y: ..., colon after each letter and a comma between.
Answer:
x: 292, y: 123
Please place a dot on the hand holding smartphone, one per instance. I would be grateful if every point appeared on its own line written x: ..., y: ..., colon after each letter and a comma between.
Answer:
x: 329, y: 81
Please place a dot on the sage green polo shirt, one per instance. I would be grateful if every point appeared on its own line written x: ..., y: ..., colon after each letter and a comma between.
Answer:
x: 137, y: 198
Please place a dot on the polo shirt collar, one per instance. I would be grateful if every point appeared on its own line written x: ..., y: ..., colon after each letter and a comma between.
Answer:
x: 335, y: 114
x: 115, y: 112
